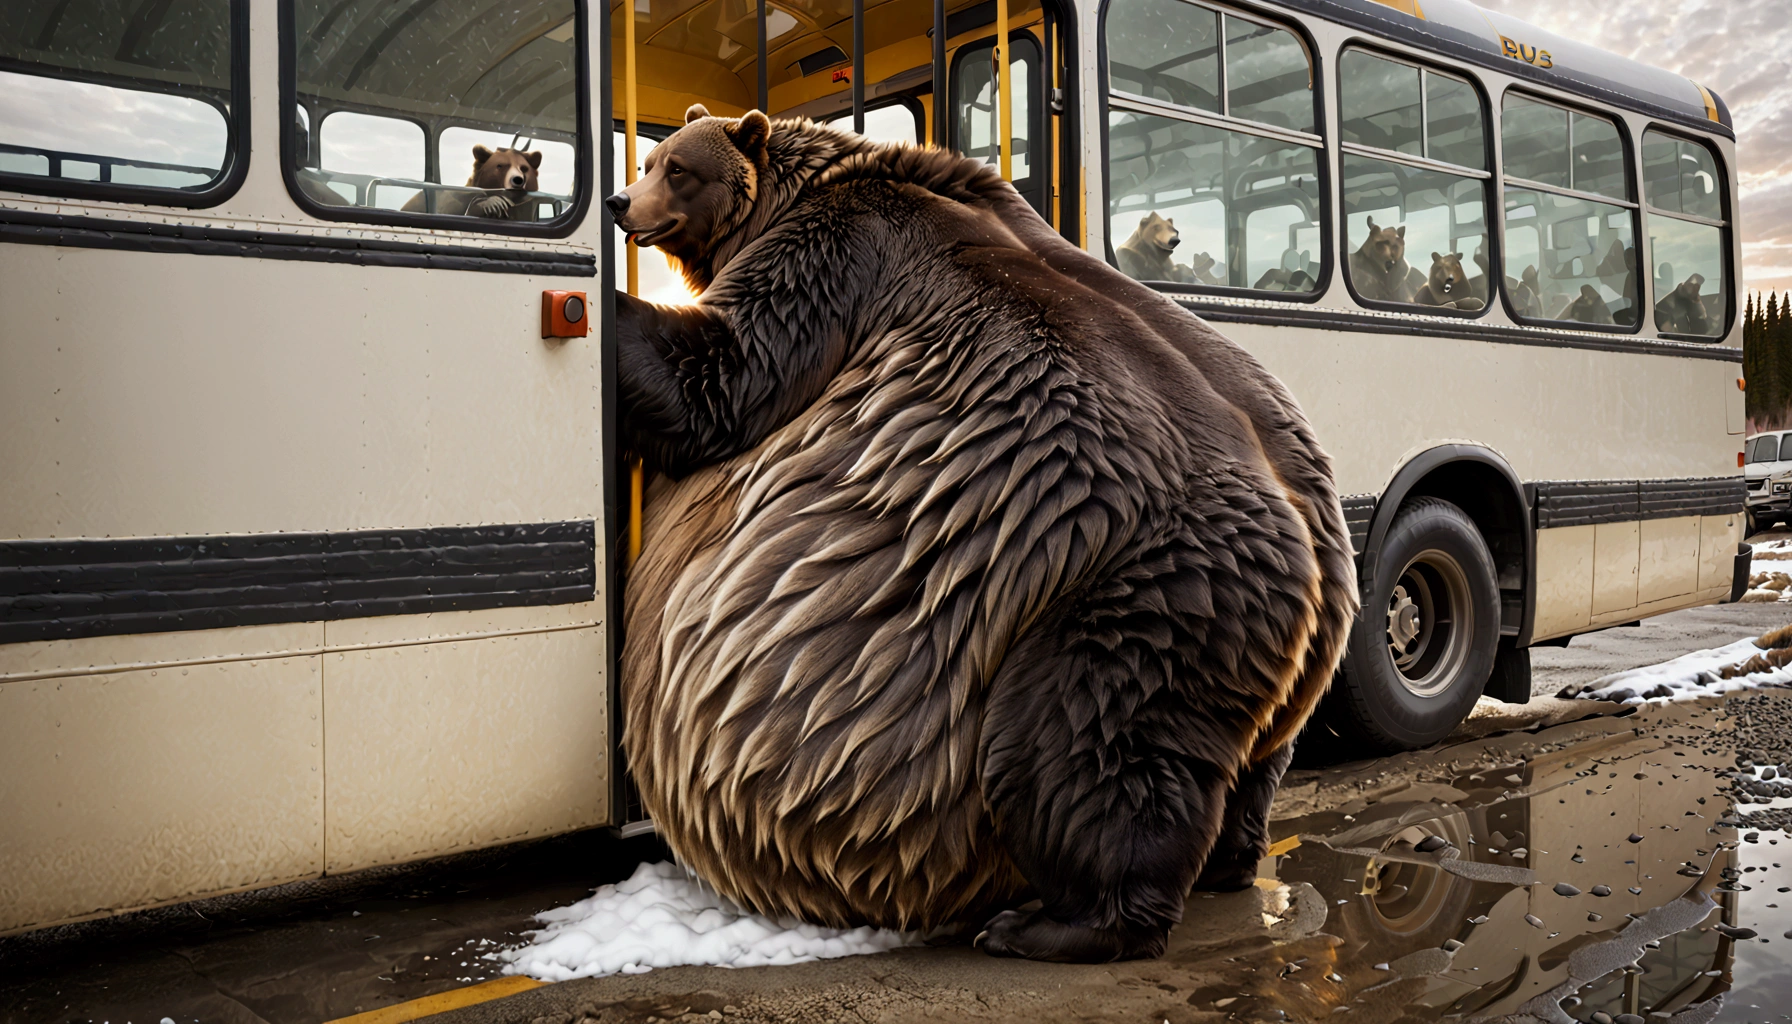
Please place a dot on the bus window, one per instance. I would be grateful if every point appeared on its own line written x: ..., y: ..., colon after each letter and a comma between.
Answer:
x: 108, y: 98
x: 377, y: 149
x: 1686, y: 236
x: 975, y: 133
x: 453, y: 108
x: 1583, y: 267
x: 898, y: 122
x: 1199, y: 200
x: 1415, y: 185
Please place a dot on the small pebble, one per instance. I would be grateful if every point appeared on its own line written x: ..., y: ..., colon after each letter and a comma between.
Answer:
x: 1634, y: 891
x: 1739, y: 934
x: 1635, y: 838
x: 1564, y: 889
x: 1601, y: 1017
x: 1593, y: 917
x: 1430, y: 843
x: 1383, y: 967
x: 1533, y: 920
x: 1601, y: 890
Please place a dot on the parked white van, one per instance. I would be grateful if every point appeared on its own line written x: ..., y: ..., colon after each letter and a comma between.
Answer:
x: 1769, y: 473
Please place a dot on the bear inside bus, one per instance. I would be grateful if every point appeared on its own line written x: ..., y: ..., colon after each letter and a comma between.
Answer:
x: 1378, y: 268
x: 1146, y: 255
x: 506, y: 176
x: 1446, y: 286
x: 974, y: 572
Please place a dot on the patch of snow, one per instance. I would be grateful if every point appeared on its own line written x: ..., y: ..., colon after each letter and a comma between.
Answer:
x: 1687, y: 677
x: 662, y: 917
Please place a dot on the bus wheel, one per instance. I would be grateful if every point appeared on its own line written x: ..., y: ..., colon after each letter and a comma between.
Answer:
x: 1423, y: 646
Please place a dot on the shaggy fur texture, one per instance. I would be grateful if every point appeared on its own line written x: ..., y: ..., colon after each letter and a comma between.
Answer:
x: 975, y: 570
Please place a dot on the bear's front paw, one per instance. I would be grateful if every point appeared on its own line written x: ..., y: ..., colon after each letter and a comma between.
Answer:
x: 1035, y: 936
x: 492, y: 206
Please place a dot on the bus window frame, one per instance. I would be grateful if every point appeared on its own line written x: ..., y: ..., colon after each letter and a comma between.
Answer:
x: 561, y: 227
x: 1039, y: 99
x: 231, y: 174
x: 905, y: 100
x: 1327, y: 233
x: 1725, y: 226
x: 1492, y: 196
x: 1627, y: 143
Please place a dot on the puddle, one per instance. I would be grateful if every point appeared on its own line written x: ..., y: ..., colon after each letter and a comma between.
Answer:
x: 1592, y: 871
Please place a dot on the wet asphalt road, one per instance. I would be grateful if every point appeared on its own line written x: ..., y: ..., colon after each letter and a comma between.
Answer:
x: 1362, y: 920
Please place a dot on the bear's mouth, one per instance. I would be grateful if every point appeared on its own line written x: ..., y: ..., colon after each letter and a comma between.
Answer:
x: 652, y: 236
x: 1448, y: 285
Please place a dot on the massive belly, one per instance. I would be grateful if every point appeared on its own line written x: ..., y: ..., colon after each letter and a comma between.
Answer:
x: 803, y: 686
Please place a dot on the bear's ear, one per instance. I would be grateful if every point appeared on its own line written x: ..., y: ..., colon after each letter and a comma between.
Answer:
x: 1400, y: 231
x: 750, y: 132
x: 1456, y: 256
x: 1437, y: 257
x: 1170, y: 221
x: 694, y: 112
x: 481, y: 155
x: 1372, y: 227
x: 534, y: 158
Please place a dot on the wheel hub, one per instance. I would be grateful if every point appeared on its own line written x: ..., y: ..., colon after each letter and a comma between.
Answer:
x: 1404, y: 621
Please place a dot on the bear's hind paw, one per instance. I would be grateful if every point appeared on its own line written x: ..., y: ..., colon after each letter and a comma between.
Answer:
x: 1034, y: 936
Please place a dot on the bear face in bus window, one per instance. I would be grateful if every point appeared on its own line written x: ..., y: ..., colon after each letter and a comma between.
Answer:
x: 1587, y: 308
x: 1447, y: 285
x: 699, y: 186
x: 507, y: 175
x: 1682, y: 311
x: 1378, y: 267
x: 1145, y: 255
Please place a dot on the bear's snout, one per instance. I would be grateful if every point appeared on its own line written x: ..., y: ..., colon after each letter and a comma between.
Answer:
x: 517, y: 179
x: 618, y: 205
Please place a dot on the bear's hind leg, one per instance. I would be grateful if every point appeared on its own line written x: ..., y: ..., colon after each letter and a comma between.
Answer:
x: 1244, y: 838
x: 1108, y: 788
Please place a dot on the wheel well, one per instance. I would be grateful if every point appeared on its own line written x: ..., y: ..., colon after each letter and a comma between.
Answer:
x: 1480, y: 483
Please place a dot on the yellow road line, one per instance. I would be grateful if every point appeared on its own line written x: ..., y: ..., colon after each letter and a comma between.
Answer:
x: 442, y: 1002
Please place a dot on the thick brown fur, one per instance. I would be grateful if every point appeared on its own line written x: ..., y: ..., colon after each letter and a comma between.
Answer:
x: 974, y: 570
x: 506, y: 175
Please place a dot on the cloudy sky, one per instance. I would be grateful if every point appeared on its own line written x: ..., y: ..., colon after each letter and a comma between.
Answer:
x: 1740, y: 49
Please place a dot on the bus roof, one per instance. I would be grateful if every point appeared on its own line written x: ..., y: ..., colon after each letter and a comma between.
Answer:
x: 1461, y: 30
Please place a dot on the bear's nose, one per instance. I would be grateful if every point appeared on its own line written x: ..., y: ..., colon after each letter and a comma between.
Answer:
x: 518, y: 181
x: 1174, y: 242
x: 618, y: 205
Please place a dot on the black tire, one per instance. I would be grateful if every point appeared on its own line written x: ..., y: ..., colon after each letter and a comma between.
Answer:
x: 1423, y: 647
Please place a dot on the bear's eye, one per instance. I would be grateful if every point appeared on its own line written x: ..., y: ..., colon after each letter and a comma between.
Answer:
x: 673, y: 169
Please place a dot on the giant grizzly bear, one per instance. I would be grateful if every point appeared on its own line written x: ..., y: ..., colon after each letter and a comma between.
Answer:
x: 974, y: 571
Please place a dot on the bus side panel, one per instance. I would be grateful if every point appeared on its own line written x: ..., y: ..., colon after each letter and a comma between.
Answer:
x: 130, y: 789
x: 1564, y: 580
x: 454, y: 746
x: 181, y: 395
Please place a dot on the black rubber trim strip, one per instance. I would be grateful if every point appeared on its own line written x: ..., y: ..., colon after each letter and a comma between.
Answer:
x: 1589, y: 502
x: 1345, y: 320
x: 63, y: 589
x: 1368, y: 16
x: 1359, y: 512
x: 26, y: 227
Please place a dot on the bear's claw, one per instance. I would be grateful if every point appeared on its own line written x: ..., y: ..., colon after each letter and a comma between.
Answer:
x: 1035, y: 936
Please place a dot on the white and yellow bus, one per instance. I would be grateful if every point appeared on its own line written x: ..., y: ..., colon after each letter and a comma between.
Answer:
x: 313, y: 522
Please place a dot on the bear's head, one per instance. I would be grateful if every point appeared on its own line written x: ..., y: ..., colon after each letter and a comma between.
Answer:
x: 506, y: 169
x: 1687, y: 291
x: 1446, y: 274
x: 1385, y: 247
x: 699, y: 186
x: 1158, y: 233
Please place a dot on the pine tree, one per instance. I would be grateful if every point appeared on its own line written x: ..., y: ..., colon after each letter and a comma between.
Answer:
x: 1770, y: 362
x: 1751, y: 357
x: 1779, y: 335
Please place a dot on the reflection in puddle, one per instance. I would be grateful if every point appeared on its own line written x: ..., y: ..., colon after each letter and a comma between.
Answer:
x: 1603, y: 875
